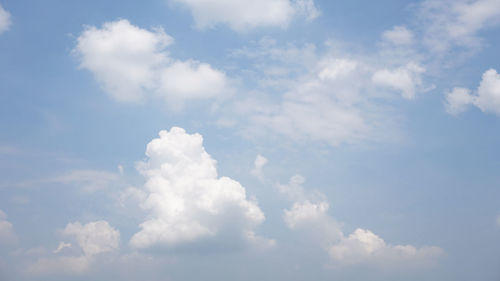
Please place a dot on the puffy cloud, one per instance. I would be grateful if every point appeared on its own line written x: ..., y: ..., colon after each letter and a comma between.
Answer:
x: 398, y: 35
x: 186, y: 200
x: 363, y: 246
x: 406, y: 79
x: 4, y: 19
x: 259, y: 163
x: 242, y: 15
x: 132, y: 63
x: 93, y: 239
x: 360, y: 247
x: 457, y: 100
x: 486, y: 98
x: 7, y: 234
x: 449, y: 23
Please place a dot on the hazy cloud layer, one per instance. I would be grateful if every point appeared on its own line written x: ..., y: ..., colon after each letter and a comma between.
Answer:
x: 243, y: 15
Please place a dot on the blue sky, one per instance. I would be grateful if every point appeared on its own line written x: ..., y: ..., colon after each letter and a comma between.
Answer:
x: 249, y: 140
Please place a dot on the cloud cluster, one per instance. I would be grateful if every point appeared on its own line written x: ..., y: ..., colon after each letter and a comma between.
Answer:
x: 93, y: 239
x: 132, y: 63
x: 309, y: 212
x: 332, y: 97
x: 243, y: 15
x: 486, y: 97
x: 4, y: 19
x: 7, y: 234
x: 187, y: 201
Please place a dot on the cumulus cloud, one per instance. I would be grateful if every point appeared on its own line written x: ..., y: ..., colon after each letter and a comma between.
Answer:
x: 7, y: 234
x: 363, y: 246
x: 93, y: 239
x: 4, y: 19
x: 309, y: 212
x: 259, y: 163
x: 398, y: 35
x: 187, y: 201
x: 132, y: 63
x: 406, y: 79
x: 486, y: 97
x: 242, y: 15
x: 449, y: 23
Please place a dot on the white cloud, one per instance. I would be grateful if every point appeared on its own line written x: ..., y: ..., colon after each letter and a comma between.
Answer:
x: 398, y: 35
x: 406, y: 79
x: 7, y: 234
x: 4, y: 19
x: 242, y: 15
x: 259, y: 163
x: 360, y: 247
x: 449, y: 23
x: 328, y: 98
x: 186, y: 200
x: 363, y: 246
x: 457, y: 100
x: 93, y: 239
x: 132, y: 64
x: 336, y: 68
x: 62, y: 246
x: 486, y: 97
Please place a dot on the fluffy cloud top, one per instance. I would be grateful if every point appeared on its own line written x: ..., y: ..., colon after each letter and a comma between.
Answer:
x: 4, y: 19
x: 242, y: 15
x: 7, y: 234
x: 406, y: 79
x: 186, y: 200
x: 360, y: 247
x: 132, y: 63
x: 363, y: 246
x: 486, y: 98
x: 93, y: 239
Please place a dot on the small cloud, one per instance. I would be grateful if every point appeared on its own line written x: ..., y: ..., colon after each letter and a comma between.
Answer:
x: 4, y: 20
x: 259, y: 163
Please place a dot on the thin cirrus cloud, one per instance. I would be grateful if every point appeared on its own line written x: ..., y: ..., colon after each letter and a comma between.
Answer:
x: 4, y: 20
x: 486, y: 97
x: 133, y: 64
x: 93, y: 239
x: 449, y: 23
x: 309, y: 212
x: 242, y: 15
x: 186, y: 200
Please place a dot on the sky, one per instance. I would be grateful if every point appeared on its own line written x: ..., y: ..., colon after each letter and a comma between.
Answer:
x: 245, y: 140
